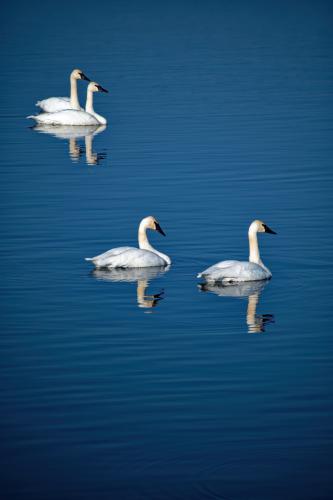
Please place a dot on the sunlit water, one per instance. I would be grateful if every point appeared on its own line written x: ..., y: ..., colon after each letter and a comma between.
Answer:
x: 147, y: 384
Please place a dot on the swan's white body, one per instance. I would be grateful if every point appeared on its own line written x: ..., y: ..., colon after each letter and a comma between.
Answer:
x: 237, y: 271
x: 131, y: 257
x: 66, y: 117
x: 73, y: 116
x: 54, y: 104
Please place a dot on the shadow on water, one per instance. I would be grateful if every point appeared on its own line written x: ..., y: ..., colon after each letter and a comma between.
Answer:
x: 73, y: 134
x: 256, y: 323
x: 142, y: 276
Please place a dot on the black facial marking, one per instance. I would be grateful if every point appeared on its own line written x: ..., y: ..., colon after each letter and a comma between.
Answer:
x: 159, y: 229
x: 101, y: 89
x: 268, y: 229
x: 84, y: 77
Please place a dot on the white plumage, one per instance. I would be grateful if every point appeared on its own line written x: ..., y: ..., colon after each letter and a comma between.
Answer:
x: 75, y: 116
x: 54, y: 104
x: 238, y: 271
x: 66, y: 117
x: 131, y: 257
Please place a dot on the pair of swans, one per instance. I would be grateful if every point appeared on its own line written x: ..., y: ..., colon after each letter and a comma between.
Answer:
x: 67, y: 110
x: 228, y: 271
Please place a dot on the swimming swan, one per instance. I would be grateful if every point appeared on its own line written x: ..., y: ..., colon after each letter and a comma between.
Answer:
x: 230, y: 271
x: 145, y: 256
x: 73, y: 116
x: 53, y: 104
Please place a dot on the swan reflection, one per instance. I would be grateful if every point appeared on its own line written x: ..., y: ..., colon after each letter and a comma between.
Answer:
x: 251, y: 289
x: 74, y: 133
x: 140, y: 275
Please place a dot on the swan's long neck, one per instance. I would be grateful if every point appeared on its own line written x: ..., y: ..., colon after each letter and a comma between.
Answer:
x: 143, y: 239
x: 90, y: 108
x: 254, y: 248
x: 89, y: 103
x: 74, y: 97
x: 145, y: 245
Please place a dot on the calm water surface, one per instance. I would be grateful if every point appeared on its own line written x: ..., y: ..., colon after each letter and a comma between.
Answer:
x: 144, y: 384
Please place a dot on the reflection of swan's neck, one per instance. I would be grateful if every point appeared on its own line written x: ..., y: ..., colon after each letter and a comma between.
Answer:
x: 74, y: 98
x: 140, y: 294
x: 74, y: 149
x: 254, y: 326
x: 145, y: 245
x: 254, y: 248
x: 90, y: 156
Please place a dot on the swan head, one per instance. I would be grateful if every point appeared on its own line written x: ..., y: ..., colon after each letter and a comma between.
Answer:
x: 151, y: 223
x: 77, y: 74
x: 95, y: 87
x: 258, y: 226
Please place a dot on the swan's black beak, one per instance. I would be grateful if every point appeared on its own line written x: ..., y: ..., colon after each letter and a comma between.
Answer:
x: 84, y: 77
x: 159, y: 229
x: 100, y: 89
x: 269, y: 230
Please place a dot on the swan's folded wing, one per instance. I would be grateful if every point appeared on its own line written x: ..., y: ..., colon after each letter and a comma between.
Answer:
x: 66, y: 117
x: 234, y: 271
x: 105, y: 259
x: 53, y: 104
x: 217, y: 267
x: 136, y: 257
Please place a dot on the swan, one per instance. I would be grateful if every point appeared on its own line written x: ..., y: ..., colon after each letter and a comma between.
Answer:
x: 73, y: 116
x: 130, y: 257
x: 53, y: 104
x: 231, y: 271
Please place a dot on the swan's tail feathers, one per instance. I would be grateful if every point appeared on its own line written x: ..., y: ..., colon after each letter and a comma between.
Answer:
x: 88, y: 258
x: 33, y: 117
x: 38, y: 103
x: 199, y: 275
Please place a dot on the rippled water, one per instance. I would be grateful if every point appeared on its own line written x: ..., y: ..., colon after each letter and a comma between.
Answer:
x: 146, y: 384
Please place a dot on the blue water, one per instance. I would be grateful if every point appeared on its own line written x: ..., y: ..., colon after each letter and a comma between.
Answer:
x: 145, y: 386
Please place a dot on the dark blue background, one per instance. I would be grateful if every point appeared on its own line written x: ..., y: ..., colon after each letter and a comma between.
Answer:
x: 219, y: 113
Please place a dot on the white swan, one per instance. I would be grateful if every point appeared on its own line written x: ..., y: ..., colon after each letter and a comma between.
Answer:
x: 231, y: 271
x: 145, y: 256
x: 73, y: 116
x: 53, y: 104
